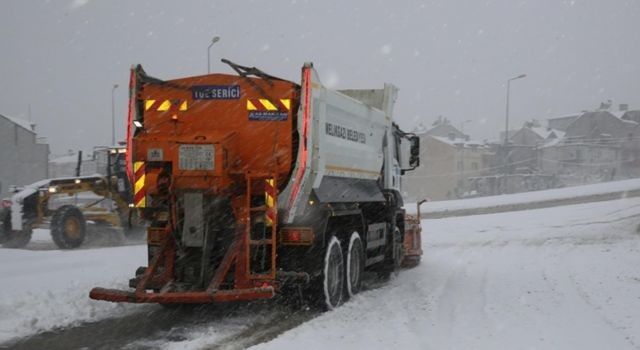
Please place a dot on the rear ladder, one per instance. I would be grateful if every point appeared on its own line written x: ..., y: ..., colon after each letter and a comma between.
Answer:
x: 261, y: 246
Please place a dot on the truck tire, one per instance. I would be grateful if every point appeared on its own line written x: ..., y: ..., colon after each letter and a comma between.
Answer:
x: 10, y: 238
x: 68, y: 227
x: 394, y: 255
x: 354, y: 264
x: 333, y: 275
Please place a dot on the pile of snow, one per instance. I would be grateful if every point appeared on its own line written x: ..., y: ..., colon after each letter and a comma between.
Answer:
x: 556, y: 278
x: 43, y: 290
x: 530, y: 197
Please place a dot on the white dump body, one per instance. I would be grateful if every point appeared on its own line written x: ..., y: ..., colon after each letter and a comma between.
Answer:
x: 350, y: 138
x: 345, y: 137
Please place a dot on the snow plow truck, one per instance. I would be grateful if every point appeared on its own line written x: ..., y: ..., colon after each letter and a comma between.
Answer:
x: 254, y: 185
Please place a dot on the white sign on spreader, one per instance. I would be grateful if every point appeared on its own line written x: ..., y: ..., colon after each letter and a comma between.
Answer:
x: 196, y: 157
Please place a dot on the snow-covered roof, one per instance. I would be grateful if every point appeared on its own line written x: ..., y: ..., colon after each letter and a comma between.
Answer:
x: 419, y: 129
x: 458, y: 141
x: 21, y: 123
x: 546, y: 132
x: 552, y: 142
x: 566, y: 116
x: 70, y: 158
x: 617, y: 114
x: 541, y: 131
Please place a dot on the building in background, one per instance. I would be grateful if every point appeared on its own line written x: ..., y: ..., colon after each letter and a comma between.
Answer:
x: 563, y: 122
x: 446, y: 130
x: 598, y: 146
x: 23, y: 157
x: 524, y: 143
x: 446, y: 164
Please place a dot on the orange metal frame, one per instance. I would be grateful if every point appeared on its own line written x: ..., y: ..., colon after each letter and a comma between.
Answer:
x: 171, y: 115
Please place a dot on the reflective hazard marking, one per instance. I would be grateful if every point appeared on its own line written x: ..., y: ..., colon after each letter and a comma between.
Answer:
x: 266, y: 105
x: 286, y: 103
x: 164, y: 106
x: 270, y: 194
x: 139, y: 192
x: 148, y: 104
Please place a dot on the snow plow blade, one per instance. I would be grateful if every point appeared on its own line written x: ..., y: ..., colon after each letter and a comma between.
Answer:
x: 121, y: 296
x: 413, y: 239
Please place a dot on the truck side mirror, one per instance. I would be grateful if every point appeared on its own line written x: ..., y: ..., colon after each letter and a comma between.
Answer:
x: 409, y: 152
x: 414, y: 159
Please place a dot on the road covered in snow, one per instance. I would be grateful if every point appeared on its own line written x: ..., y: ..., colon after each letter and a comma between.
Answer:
x: 564, y: 277
x: 557, y: 278
x: 43, y: 289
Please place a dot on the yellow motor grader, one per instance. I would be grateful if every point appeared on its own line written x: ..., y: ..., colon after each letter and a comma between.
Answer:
x: 66, y: 205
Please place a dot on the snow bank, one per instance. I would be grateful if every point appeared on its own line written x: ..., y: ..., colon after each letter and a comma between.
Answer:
x: 529, y: 197
x: 43, y: 290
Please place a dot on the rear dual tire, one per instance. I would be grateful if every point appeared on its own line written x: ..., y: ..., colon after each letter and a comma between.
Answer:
x: 342, y: 270
x: 333, y: 275
x: 354, y: 264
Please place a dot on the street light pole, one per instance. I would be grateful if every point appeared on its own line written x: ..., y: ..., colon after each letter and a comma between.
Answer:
x: 506, y: 126
x: 213, y: 41
x: 506, y: 132
x: 113, y: 115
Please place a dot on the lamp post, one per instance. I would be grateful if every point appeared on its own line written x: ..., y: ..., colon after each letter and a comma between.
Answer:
x: 506, y: 134
x: 213, y: 41
x: 506, y: 127
x: 113, y: 115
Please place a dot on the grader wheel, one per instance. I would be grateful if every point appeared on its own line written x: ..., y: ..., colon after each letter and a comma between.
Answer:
x: 68, y: 227
x: 10, y: 238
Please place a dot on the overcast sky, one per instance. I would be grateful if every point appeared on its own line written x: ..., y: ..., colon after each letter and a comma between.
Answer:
x: 449, y: 58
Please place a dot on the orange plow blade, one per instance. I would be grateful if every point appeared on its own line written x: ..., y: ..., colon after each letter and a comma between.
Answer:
x: 413, y: 239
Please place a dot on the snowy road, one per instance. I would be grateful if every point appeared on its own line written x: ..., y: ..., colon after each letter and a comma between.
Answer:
x: 45, y: 291
x: 557, y: 278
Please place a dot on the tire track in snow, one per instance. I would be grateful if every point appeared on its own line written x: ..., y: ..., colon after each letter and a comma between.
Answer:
x: 597, y: 309
x: 239, y: 324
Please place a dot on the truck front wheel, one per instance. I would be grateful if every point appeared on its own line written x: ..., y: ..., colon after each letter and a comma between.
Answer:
x: 333, y: 274
x: 68, y: 227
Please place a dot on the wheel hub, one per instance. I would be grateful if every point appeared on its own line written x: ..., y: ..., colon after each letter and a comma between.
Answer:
x: 72, y: 228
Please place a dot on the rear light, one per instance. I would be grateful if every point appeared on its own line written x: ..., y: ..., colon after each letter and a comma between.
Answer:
x: 296, y: 236
x: 6, y: 203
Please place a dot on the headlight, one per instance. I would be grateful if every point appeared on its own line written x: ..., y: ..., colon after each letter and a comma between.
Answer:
x: 53, y: 189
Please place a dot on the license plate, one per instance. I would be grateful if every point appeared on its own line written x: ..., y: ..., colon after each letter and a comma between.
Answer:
x: 196, y: 157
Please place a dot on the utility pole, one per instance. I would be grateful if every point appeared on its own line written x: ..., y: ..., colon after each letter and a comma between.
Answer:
x: 213, y: 41
x: 506, y: 130
x: 113, y: 115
